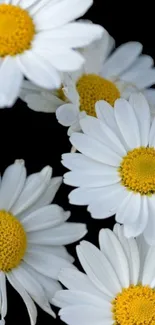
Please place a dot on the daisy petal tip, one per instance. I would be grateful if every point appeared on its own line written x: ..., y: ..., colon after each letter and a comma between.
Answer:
x: 20, y: 162
x: 68, y: 214
x: 47, y: 172
x: 85, y: 230
x: 52, y: 313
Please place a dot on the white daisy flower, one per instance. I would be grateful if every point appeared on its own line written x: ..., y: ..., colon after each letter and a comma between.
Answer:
x: 118, y: 287
x: 32, y: 237
x: 106, y: 77
x: 39, y: 42
x: 115, y: 171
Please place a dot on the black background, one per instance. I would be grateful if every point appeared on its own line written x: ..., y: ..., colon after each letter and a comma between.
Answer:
x: 40, y: 140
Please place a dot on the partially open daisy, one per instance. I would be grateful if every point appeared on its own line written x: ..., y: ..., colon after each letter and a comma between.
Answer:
x: 37, y: 40
x: 115, y: 171
x: 105, y: 77
x: 32, y: 235
x: 118, y: 287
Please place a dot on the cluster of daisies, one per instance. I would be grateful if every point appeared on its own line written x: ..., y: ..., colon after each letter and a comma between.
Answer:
x: 103, y: 95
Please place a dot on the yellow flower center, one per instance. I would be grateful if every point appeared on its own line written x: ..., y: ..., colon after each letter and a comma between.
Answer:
x: 16, y: 30
x: 134, y: 306
x: 92, y: 88
x: 137, y: 170
x: 13, y: 241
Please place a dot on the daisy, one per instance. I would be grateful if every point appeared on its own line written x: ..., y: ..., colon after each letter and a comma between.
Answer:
x: 105, y: 77
x: 115, y: 171
x: 32, y: 237
x: 37, y: 40
x: 118, y: 287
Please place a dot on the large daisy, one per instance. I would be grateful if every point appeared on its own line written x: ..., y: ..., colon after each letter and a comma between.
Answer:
x: 32, y: 235
x: 118, y: 287
x: 115, y: 171
x: 105, y: 77
x: 37, y: 40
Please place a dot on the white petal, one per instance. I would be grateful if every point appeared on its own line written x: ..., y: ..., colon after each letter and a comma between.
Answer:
x: 10, y: 82
x: 79, y: 163
x: 152, y: 134
x: 85, y: 196
x: 94, y: 149
x: 75, y: 34
x: 69, y: 60
x: 59, y: 251
x: 64, y: 234
x: 12, y: 184
x: 142, y: 63
x: 115, y: 255
x: 142, y: 112
x: 45, y: 198
x: 75, y: 127
x: 148, y: 276
x: 25, y: 4
x: 67, y: 114
x: 38, y: 103
x: 91, y: 180
x: 32, y: 287
x: 2, y: 322
x: 3, y: 295
x: 132, y: 253
x: 39, y: 70
x: 98, y: 130
x: 44, y: 218
x: 27, y: 299
x: 105, y: 112
x: 121, y: 59
x: 150, y: 96
x: 129, y: 211
x: 35, y: 185
x: 98, y: 268
x: 145, y: 79
x: 72, y: 95
x: 96, y: 53
x: 62, y: 252
x: 138, y: 227
x: 44, y: 262
x: 143, y: 248
x: 64, y: 298
x: 106, y: 203
x: 125, y: 118
x: 39, y: 5
x: 76, y: 280
x: 149, y: 232
x: 50, y: 286
x: 61, y: 12
x: 84, y: 315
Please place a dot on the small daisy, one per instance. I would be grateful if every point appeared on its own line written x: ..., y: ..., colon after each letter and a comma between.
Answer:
x: 105, y: 77
x: 32, y: 237
x: 37, y: 40
x: 115, y: 171
x: 118, y: 287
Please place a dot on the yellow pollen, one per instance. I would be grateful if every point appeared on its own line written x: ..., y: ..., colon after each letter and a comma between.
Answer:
x: 16, y: 30
x: 137, y: 170
x: 13, y: 241
x: 92, y: 88
x: 134, y: 306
